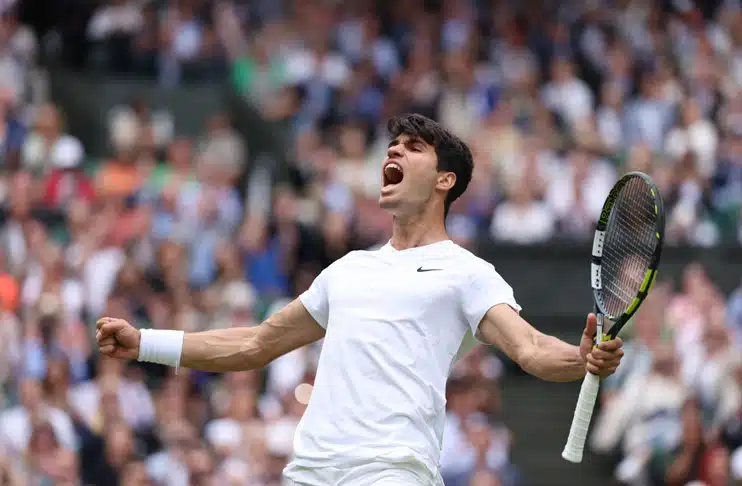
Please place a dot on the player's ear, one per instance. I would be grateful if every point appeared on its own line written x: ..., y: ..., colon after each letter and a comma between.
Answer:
x: 446, y: 181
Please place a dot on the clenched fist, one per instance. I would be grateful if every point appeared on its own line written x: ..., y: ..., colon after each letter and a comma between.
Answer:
x: 117, y: 338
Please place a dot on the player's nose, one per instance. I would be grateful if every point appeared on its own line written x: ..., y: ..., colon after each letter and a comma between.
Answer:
x: 395, y: 151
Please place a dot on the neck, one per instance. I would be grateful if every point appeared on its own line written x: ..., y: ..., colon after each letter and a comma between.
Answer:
x: 411, y: 232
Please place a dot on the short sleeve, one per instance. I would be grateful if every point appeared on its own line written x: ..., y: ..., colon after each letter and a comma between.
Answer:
x: 482, y: 291
x: 315, y: 299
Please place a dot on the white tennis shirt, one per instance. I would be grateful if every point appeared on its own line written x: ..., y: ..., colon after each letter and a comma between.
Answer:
x: 395, y: 322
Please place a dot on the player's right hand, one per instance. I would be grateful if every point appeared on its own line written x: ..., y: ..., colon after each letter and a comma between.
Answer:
x: 117, y: 338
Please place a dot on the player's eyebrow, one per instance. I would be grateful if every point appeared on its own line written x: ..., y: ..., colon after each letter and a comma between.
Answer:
x: 409, y: 141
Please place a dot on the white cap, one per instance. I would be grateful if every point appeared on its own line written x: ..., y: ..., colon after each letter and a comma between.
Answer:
x: 67, y: 153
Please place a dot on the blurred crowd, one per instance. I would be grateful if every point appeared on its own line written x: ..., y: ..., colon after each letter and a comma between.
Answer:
x: 556, y: 100
x: 672, y: 414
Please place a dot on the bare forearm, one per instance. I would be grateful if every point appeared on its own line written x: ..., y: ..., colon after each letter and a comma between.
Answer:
x: 553, y: 360
x: 220, y: 351
x: 247, y: 348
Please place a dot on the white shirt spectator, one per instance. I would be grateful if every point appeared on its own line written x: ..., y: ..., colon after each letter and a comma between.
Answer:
x: 15, y: 427
x: 572, y: 99
x: 99, y: 275
x: 304, y: 65
x: 523, y: 223
x: 135, y: 401
x: 700, y: 138
x: 459, y: 112
x: 561, y: 194
x: 458, y: 456
x: 380, y: 50
x: 12, y: 76
x: 640, y: 398
x: 10, y: 345
x: 15, y: 247
x: 72, y: 292
x: 24, y: 45
x: 115, y: 18
x: 610, y: 127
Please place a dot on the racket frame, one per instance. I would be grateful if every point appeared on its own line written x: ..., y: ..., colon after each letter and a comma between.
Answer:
x: 597, y: 253
x: 574, y: 448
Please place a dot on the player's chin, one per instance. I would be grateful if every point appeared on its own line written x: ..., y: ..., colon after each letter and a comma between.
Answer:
x: 388, y: 200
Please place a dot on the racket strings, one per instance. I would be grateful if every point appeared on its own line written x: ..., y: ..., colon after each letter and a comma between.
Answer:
x: 630, y: 242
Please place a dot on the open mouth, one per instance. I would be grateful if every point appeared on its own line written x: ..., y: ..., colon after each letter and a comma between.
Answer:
x: 392, y: 174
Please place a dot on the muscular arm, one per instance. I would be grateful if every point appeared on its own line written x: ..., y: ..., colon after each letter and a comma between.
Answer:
x: 543, y: 356
x: 246, y: 348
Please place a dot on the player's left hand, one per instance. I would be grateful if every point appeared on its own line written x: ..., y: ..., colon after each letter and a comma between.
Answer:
x: 601, y: 360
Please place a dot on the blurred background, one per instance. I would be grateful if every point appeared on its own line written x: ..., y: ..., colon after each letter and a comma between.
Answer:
x: 193, y: 164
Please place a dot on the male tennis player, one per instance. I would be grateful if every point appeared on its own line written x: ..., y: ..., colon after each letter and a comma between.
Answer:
x: 393, y: 321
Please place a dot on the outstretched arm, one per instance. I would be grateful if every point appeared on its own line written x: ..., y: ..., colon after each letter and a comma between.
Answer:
x: 223, y: 350
x: 247, y: 348
x: 545, y: 356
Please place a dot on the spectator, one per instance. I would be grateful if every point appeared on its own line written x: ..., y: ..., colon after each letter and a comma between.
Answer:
x: 649, y: 116
x: 13, y: 131
x: 47, y: 145
x: 67, y: 181
x: 470, y: 443
x: 260, y: 73
x: 697, y: 135
x: 735, y: 313
x: 190, y: 48
x: 225, y: 434
x: 682, y: 464
x: 115, y: 395
x: 19, y: 39
x: 210, y: 209
x: 34, y: 424
x: 652, y: 397
x: 109, y: 460
x: 577, y: 194
x: 566, y: 94
x: 111, y: 29
x: 521, y: 219
x: 10, y: 339
x: 609, y: 116
x: 48, y: 287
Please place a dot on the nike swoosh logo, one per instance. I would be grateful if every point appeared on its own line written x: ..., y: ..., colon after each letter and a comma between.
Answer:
x: 421, y: 269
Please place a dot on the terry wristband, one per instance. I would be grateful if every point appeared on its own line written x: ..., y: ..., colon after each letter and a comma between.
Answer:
x: 161, y: 346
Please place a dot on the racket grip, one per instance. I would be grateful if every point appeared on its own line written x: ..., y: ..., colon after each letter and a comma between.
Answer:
x: 581, y: 421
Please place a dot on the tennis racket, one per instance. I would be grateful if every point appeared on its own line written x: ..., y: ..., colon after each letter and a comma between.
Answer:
x: 626, y: 253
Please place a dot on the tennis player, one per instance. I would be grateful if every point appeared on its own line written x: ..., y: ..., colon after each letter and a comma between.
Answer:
x: 393, y: 321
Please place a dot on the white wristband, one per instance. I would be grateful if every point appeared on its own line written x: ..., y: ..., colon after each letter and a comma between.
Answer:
x: 161, y: 346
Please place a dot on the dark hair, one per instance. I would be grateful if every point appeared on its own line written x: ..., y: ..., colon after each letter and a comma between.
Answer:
x: 453, y: 154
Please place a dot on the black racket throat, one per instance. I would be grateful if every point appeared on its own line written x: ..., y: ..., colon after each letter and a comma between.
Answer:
x: 627, y: 246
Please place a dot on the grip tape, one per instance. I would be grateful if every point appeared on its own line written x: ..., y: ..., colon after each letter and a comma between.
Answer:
x: 581, y: 420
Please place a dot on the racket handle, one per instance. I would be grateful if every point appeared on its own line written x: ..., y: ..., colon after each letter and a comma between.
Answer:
x: 581, y: 420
